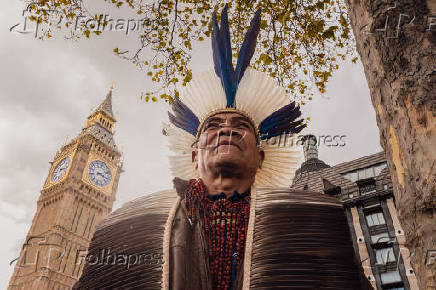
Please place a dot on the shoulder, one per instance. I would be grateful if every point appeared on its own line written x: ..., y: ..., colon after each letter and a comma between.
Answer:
x: 147, y: 205
x: 304, y: 232
x: 299, y: 205
x: 295, y: 196
x: 126, y: 248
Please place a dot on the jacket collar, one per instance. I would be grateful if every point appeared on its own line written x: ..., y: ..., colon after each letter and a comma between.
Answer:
x: 181, y: 186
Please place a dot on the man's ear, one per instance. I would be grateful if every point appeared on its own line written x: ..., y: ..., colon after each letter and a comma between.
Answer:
x: 194, y: 157
x: 262, y: 157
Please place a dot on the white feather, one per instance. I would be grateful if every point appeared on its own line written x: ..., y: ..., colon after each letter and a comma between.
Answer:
x: 259, y: 95
x: 204, y: 94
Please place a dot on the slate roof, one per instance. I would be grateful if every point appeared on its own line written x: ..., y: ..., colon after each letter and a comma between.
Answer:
x: 313, y: 164
x: 332, y: 176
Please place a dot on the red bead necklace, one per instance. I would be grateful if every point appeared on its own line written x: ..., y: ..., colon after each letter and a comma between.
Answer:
x: 225, y: 222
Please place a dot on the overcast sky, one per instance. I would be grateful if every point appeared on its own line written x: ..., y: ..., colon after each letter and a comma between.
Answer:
x: 48, y: 88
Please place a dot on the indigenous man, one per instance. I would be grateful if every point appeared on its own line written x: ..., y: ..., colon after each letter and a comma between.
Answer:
x: 231, y: 222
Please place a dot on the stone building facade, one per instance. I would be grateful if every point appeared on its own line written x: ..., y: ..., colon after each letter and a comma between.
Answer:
x: 364, y: 186
x: 78, y: 193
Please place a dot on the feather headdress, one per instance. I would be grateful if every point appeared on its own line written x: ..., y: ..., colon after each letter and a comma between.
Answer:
x: 241, y: 90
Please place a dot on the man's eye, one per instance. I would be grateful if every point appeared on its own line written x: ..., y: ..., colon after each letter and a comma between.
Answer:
x: 211, y: 125
x: 243, y: 125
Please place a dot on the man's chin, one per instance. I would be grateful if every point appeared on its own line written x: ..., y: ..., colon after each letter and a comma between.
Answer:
x: 229, y: 160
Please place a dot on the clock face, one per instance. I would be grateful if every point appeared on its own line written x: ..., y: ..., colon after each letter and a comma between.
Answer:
x: 99, y: 173
x: 60, y: 169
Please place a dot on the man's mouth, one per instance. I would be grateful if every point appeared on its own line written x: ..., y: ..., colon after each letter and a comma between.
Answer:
x: 228, y: 143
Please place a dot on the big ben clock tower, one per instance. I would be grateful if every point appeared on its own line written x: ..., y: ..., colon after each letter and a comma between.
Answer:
x: 78, y: 193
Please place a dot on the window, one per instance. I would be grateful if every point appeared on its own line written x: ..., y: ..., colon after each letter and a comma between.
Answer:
x: 333, y: 191
x: 375, y: 219
x: 367, y: 188
x: 380, y: 238
x: 364, y: 173
x: 390, y: 277
x: 378, y: 168
x: 351, y: 176
x: 385, y: 255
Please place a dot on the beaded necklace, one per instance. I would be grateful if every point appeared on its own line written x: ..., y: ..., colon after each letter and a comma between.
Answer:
x: 225, y: 222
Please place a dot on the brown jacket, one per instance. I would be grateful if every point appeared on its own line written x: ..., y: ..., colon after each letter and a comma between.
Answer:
x: 300, y: 240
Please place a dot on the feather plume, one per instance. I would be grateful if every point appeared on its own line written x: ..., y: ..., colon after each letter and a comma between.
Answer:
x: 222, y: 53
x: 259, y: 95
x: 282, y: 121
x: 220, y: 47
x: 224, y: 33
x: 248, y: 47
x: 184, y: 118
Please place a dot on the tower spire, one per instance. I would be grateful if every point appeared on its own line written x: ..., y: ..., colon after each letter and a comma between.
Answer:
x: 106, y: 105
x: 103, y: 115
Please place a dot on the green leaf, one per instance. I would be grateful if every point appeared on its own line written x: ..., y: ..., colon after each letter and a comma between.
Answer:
x: 330, y: 32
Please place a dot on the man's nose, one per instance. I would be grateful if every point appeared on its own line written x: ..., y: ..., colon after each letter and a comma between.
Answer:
x: 230, y: 132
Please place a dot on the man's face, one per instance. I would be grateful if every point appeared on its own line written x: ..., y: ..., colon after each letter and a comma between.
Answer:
x: 227, y: 143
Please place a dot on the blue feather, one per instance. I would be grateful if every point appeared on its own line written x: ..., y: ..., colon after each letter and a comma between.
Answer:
x: 215, y: 45
x: 278, y: 113
x: 182, y: 124
x: 223, y: 68
x: 248, y: 47
x: 278, y: 118
x: 178, y: 106
x: 183, y: 117
x: 282, y: 121
x: 222, y: 53
x: 225, y: 41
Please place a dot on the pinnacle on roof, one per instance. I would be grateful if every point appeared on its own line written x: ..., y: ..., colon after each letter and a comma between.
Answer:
x: 106, y: 105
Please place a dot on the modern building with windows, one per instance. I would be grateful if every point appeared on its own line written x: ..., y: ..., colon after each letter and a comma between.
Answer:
x: 364, y: 186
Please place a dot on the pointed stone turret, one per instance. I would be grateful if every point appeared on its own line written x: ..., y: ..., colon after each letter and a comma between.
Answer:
x: 101, y: 122
x: 103, y: 115
x: 106, y: 105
